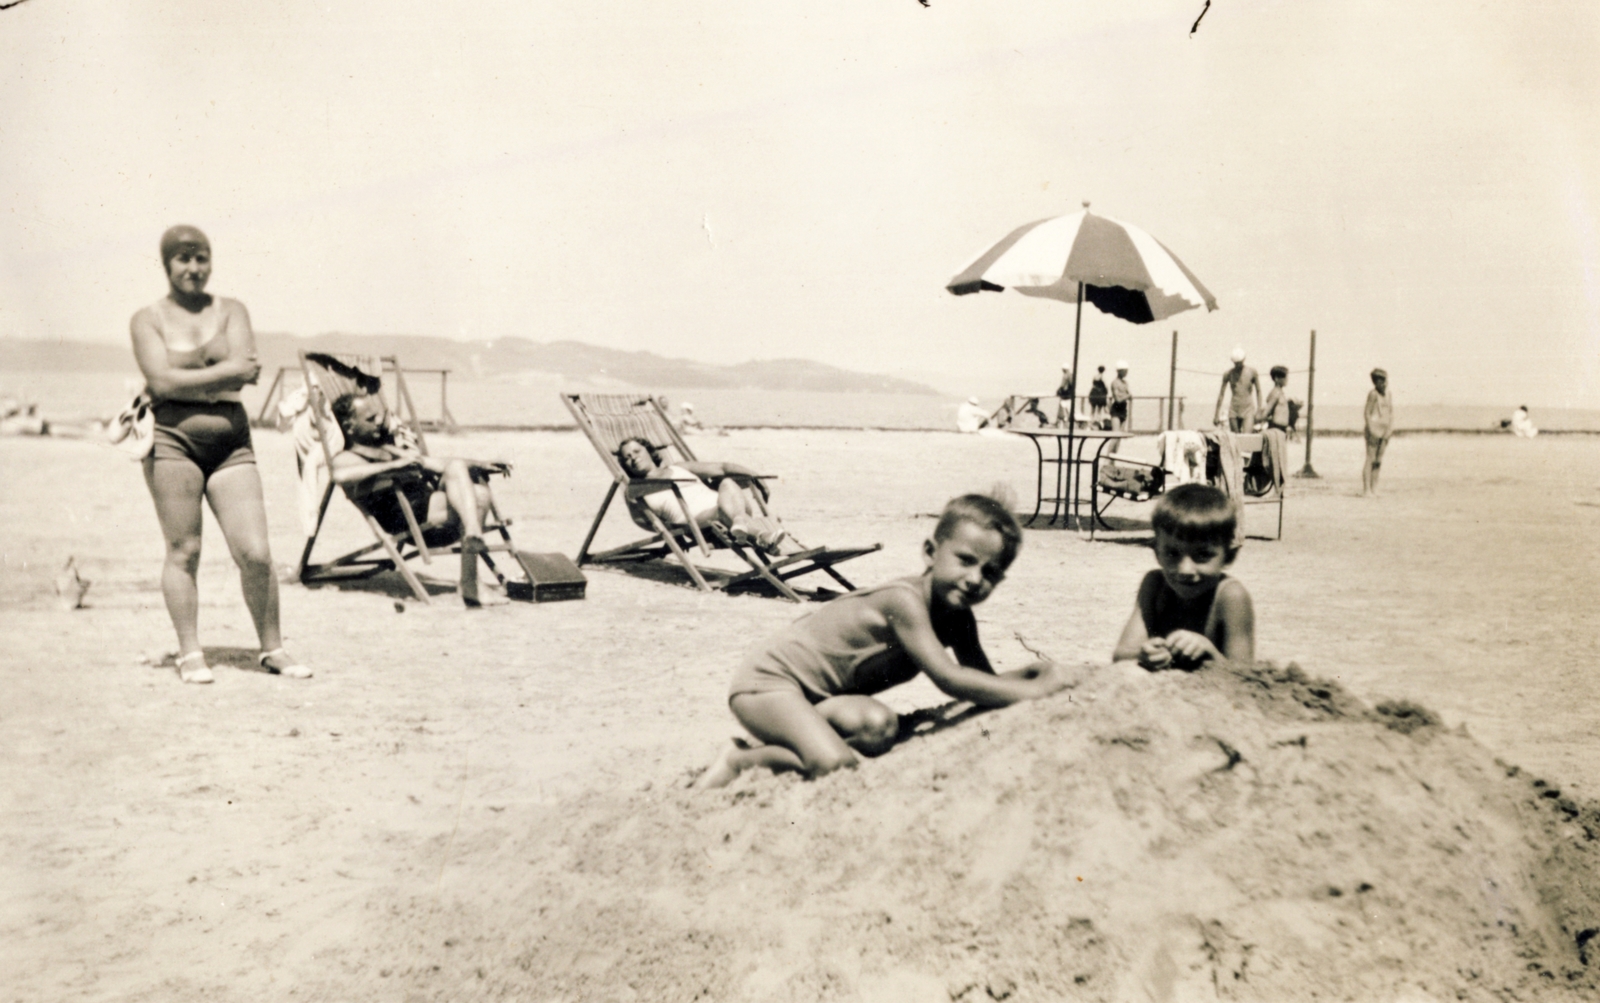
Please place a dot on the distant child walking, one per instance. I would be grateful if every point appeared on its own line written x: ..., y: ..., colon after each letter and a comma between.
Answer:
x: 1189, y: 612
x: 1378, y: 423
x: 807, y: 693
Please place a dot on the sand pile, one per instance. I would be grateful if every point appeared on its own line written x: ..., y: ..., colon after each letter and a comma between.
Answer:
x: 1225, y: 835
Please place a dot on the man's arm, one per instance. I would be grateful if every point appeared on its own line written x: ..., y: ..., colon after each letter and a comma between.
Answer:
x: 352, y: 468
x: 1216, y: 416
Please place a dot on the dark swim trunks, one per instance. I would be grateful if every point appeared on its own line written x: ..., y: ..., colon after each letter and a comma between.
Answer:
x: 385, y: 507
x: 211, y: 436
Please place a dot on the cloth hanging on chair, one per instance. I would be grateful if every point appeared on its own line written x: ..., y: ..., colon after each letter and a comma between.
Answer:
x: 1183, y: 457
x: 1230, y: 479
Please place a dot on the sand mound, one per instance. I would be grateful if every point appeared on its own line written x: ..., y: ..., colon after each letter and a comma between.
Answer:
x: 1250, y: 835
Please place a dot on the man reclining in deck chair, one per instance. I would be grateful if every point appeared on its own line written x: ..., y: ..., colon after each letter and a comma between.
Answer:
x: 441, y: 491
x: 730, y: 505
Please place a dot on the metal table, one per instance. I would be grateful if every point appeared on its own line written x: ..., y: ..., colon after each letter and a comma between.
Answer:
x: 1069, y: 461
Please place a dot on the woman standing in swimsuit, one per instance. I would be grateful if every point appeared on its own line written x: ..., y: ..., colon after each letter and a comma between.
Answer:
x: 196, y: 351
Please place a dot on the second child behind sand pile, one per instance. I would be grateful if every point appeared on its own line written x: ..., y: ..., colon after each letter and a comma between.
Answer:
x: 808, y: 692
x: 1189, y: 611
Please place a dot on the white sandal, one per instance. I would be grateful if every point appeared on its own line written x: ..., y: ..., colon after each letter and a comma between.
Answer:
x: 294, y: 670
x: 199, y: 674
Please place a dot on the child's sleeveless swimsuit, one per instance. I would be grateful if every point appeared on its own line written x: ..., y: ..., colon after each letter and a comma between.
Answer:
x: 213, y: 435
x: 810, y: 656
x: 1167, y: 617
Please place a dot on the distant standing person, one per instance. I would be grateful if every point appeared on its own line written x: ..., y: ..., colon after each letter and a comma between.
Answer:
x: 1121, y: 398
x: 1064, y: 394
x: 1378, y: 423
x: 1099, y: 397
x: 1245, y: 386
x: 196, y: 351
x: 1276, y: 409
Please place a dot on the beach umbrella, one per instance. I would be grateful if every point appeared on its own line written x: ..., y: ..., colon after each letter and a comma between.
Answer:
x: 1116, y: 266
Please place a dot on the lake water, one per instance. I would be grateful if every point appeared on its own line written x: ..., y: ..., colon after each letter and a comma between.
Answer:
x: 531, y: 400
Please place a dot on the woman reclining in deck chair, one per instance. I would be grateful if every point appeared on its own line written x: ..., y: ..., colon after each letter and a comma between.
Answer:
x: 730, y: 505
x: 441, y: 491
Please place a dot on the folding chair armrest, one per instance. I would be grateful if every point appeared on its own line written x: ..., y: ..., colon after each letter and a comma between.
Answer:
x: 1121, y: 462
x: 643, y: 486
x: 755, y: 482
x: 371, y: 484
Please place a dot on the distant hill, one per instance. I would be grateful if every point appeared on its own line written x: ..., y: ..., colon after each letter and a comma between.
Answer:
x: 572, y: 360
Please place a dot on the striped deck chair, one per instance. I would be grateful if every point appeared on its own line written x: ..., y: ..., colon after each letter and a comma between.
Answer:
x: 328, y: 377
x: 610, y: 419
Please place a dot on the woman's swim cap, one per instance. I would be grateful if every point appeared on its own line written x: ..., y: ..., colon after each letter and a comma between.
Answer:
x: 180, y: 237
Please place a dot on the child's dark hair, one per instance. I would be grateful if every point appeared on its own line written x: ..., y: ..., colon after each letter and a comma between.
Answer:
x: 985, y: 512
x: 1196, y: 513
x: 649, y: 447
x: 1278, y: 371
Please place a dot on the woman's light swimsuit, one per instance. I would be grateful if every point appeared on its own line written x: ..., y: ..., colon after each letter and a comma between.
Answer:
x: 699, y: 498
x: 814, y: 657
x: 213, y: 435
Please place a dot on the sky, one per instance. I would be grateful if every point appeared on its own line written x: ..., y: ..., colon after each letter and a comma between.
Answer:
x: 1418, y: 183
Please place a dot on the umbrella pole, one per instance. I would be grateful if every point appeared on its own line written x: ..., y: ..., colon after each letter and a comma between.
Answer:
x: 1072, y: 411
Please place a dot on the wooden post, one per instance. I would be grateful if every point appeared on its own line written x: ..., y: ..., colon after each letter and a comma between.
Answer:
x: 445, y: 417
x: 1311, y: 394
x: 1172, y: 383
x: 266, y: 404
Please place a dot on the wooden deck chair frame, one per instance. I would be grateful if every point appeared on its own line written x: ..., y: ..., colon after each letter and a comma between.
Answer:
x: 607, y: 420
x: 390, y: 551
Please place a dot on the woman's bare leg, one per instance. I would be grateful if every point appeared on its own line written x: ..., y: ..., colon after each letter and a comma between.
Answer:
x: 739, y: 510
x: 235, y: 497
x: 176, y: 487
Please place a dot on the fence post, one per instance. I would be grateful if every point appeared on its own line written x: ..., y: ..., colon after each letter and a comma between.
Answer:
x: 1172, y: 382
x: 1311, y: 395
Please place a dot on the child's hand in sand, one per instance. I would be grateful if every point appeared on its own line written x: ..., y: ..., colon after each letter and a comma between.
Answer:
x: 1191, y: 646
x: 1045, y: 675
x: 1155, y: 655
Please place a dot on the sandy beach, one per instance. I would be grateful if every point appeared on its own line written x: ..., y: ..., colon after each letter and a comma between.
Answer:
x: 426, y: 818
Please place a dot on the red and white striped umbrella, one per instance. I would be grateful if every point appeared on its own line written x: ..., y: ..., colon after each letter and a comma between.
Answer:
x: 1116, y: 266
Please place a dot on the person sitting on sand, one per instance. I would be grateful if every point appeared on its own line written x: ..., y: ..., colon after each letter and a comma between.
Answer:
x: 1189, y: 611
x: 971, y: 416
x: 730, y: 504
x: 807, y: 693
x: 439, y: 490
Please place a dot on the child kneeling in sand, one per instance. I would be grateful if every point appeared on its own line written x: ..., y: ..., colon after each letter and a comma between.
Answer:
x: 1189, y: 611
x: 807, y: 692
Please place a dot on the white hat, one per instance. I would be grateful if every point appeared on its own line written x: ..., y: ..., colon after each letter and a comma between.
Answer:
x: 972, y: 400
x: 1238, y: 353
x: 1122, y: 364
x: 687, y: 406
x: 1067, y: 366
